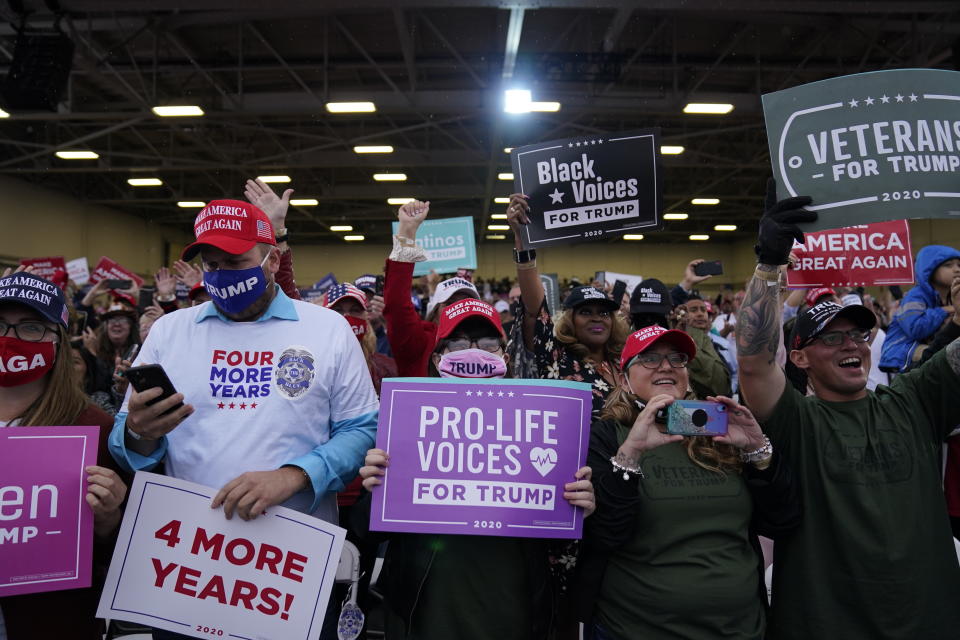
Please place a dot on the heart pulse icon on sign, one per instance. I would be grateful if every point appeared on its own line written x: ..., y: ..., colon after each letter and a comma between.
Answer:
x: 543, y: 460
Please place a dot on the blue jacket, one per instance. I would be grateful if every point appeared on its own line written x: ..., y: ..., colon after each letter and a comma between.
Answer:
x: 919, y: 315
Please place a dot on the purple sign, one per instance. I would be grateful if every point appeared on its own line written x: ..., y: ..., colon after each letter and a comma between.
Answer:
x: 46, y: 527
x: 481, y: 457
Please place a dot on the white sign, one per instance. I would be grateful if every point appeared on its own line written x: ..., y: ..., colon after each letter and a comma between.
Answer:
x: 79, y: 271
x: 182, y: 566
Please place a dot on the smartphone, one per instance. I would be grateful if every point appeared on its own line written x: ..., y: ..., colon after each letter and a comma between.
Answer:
x: 896, y: 292
x: 80, y: 324
x: 378, y: 287
x: 119, y: 284
x: 131, y: 352
x: 697, y: 418
x: 619, y: 288
x: 146, y: 297
x: 714, y: 268
x: 149, y: 376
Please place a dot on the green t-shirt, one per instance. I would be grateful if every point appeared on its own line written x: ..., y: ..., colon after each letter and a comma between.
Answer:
x: 873, y: 557
x: 689, y: 571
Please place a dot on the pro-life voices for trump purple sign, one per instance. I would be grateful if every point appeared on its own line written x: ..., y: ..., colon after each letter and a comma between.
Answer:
x: 481, y: 457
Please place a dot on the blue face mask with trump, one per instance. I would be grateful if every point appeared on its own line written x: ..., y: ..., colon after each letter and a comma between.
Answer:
x: 234, y: 290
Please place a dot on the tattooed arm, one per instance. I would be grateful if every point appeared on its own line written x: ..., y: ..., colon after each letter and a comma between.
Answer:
x: 758, y: 336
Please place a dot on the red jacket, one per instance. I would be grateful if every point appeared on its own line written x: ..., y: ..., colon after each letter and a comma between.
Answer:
x: 284, y: 276
x: 411, y: 339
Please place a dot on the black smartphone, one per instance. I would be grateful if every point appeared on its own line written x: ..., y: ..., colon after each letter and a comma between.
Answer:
x: 149, y: 376
x: 619, y: 288
x: 378, y: 287
x: 714, y: 268
x: 896, y: 291
x: 146, y: 297
x: 80, y: 323
x: 119, y: 284
x: 131, y: 352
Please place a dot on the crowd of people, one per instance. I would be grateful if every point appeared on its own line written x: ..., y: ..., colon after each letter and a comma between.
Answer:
x: 840, y: 407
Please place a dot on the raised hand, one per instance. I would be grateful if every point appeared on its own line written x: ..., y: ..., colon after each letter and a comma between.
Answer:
x: 690, y: 277
x: 518, y: 212
x: 261, y: 195
x: 190, y: 275
x: 778, y: 226
x: 165, y: 281
x: 411, y: 216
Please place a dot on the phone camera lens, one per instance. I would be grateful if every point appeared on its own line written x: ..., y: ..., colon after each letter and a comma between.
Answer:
x: 700, y: 418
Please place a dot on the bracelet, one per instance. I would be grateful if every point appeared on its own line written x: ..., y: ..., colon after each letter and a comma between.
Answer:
x: 525, y: 255
x: 170, y: 297
x: 283, y: 238
x: 762, y: 454
x: 281, y: 232
x: 406, y: 242
x: 136, y: 436
x: 627, y: 471
x: 526, y: 266
x: 769, y: 276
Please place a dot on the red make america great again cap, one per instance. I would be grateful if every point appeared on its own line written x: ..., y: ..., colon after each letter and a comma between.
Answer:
x: 233, y: 226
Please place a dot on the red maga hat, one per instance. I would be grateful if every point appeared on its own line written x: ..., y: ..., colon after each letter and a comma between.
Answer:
x: 233, y: 226
x: 640, y: 341
x: 456, y: 313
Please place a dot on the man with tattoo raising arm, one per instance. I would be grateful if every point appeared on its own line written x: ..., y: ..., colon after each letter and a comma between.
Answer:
x: 873, y: 557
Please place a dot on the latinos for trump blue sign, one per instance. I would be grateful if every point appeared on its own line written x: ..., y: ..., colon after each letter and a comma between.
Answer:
x: 448, y: 243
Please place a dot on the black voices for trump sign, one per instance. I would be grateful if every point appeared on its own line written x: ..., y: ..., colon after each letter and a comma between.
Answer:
x: 870, y: 147
x: 589, y: 188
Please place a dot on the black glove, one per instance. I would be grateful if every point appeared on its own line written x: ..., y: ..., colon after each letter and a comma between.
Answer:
x: 778, y: 228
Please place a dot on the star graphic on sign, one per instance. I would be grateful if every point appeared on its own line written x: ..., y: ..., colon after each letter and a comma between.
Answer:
x: 232, y: 405
x: 899, y: 98
x: 884, y: 99
x: 479, y: 393
x: 243, y: 405
x: 570, y: 144
x: 869, y: 100
x: 253, y: 405
x: 578, y: 144
x: 510, y: 395
x: 220, y: 405
x: 853, y: 103
x: 499, y: 394
x: 913, y: 97
x: 556, y: 197
x: 489, y: 394
x: 599, y: 141
x: 469, y: 393
x: 593, y: 142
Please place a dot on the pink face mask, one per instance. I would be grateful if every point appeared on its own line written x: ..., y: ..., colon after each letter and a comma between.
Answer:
x: 472, y: 363
x: 359, y: 326
x: 22, y: 362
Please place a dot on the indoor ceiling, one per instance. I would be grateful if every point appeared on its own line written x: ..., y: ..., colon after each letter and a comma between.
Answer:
x: 436, y: 71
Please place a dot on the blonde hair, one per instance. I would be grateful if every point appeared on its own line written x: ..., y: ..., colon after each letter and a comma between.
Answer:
x: 63, y: 399
x: 704, y: 451
x: 565, y: 333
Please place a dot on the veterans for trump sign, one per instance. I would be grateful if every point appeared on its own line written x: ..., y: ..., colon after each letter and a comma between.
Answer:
x: 864, y: 255
x: 589, y: 188
x: 46, y: 526
x: 870, y: 147
x: 180, y: 565
x: 481, y: 457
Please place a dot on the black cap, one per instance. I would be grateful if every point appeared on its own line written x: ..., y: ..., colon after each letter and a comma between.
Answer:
x: 814, y: 320
x: 586, y: 295
x: 651, y: 296
x: 38, y: 293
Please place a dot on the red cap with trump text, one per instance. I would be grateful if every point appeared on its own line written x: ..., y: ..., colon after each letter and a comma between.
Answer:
x: 457, y: 312
x: 233, y: 226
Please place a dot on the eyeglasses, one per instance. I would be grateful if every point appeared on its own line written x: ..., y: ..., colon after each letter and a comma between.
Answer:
x: 653, y: 360
x: 487, y: 344
x: 26, y: 331
x: 591, y: 312
x: 835, y: 338
x: 119, y: 320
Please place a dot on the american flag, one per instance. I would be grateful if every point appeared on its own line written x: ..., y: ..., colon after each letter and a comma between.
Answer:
x: 342, y: 290
x: 264, y: 230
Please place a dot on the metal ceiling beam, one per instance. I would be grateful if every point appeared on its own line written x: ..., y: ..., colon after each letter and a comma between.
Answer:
x: 406, y: 46
x: 615, y: 29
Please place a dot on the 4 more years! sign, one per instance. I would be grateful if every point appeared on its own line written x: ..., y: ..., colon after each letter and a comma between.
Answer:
x: 870, y: 147
x: 864, y: 255
x: 481, y: 457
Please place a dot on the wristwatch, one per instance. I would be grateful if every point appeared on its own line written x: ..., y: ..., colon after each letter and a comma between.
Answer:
x: 524, y: 255
x: 282, y: 235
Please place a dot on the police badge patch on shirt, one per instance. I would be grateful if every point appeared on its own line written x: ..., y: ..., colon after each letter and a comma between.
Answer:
x: 295, y: 372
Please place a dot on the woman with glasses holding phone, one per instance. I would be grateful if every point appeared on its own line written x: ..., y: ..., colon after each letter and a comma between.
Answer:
x: 672, y: 551
x: 583, y: 343
x: 468, y: 587
x: 38, y: 387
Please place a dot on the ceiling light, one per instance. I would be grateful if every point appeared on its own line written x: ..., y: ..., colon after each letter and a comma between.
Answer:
x: 498, y: 216
x: 373, y: 148
x: 341, y: 227
x: 517, y: 100
x: 78, y: 155
x: 708, y: 108
x: 496, y: 236
x: 504, y: 176
x: 507, y: 149
x: 675, y: 216
x: 390, y: 177
x: 725, y: 227
x: 501, y: 200
x: 545, y: 106
x: 351, y: 107
x: 498, y: 227
x: 144, y: 182
x: 305, y: 202
x: 399, y: 202
x: 269, y: 179
x: 190, y: 204
x: 4, y: 114
x: 671, y: 150
x: 353, y: 238
x: 633, y: 236
x: 178, y: 111
x: 705, y: 201
x: 698, y: 236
